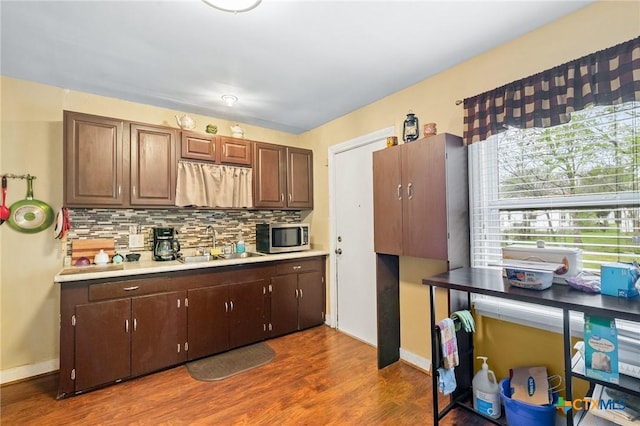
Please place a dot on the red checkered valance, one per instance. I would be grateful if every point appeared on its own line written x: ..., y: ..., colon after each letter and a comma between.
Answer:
x: 607, y: 77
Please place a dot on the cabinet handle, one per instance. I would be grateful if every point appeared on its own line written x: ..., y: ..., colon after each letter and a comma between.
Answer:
x: 399, y: 192
x: 295, y: 268
x: 119, y: 190
x: 290, y: 197
x: 301, y: 294
x: 178, y: 347
x: 186, y: 302
x: 126, y: 326
x: 135, y: 287
x: 270, y: 289
x: 231, y: 305
x: 186, y: 346
x: 226, y: 307
x: 282, y: 197
x: 296, y: 293
x: 135, y: 324
x: 178, y: 302
x: 410, y: 191
x: 134, y: 190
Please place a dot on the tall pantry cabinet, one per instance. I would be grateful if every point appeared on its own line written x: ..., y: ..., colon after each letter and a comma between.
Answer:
x: 420, y: 200
x: 420, y: 209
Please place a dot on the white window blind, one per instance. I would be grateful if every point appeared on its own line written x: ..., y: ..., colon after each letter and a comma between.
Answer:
x: 576, y: 185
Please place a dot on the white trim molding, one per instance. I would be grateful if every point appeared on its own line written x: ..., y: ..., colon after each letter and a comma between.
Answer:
x: 29, y: 370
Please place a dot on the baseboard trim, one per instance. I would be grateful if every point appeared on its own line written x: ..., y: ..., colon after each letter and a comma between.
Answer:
x: 417, y: 361
x: 27, y: 371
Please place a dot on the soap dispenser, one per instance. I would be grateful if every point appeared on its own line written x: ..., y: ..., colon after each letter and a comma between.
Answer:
x: 486, y: 391
x: 240, y: 247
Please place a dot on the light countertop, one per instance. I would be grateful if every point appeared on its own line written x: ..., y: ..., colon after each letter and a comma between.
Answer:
x: 126, y: 269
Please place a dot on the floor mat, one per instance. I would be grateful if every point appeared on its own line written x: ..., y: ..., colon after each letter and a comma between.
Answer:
x: 227, y: 364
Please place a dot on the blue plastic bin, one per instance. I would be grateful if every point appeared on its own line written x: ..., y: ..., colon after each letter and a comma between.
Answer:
x: 522, y: 414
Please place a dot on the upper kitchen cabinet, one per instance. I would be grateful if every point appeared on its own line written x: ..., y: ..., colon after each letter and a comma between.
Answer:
x: 235, y: 151
x: 215, y: 149
x: 420, y: 197
x: 195, y: 146
x: 283, y: 177
x: 93, y: 160
x: 153, y: 165
x: 116, y: 163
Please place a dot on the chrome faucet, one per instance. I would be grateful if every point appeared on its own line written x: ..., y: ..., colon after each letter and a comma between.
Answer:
x: 213, y: 234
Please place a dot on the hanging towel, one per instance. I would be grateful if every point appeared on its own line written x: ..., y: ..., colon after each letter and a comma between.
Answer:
x: 446, y: 380
x: 464, y: 319
x: 449, y: 343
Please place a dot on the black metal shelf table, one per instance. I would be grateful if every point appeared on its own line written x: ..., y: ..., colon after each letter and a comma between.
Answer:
x: 489, y: 282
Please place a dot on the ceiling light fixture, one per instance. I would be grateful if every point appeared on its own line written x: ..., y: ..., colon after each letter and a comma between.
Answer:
x: 229, y: 99
x: 235, y: 6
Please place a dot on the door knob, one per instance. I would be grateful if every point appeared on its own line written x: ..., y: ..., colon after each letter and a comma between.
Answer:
x: 338, y: 251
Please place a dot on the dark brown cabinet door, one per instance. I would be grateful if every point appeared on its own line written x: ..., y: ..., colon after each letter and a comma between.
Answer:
x: 425, y: 202
x: 247, y: 310
x: 284, y: 304
x: 207, y: 321
x: 153, y: 165
x: 155, y: 339
x: 299, y: 178
x: 102, y: 343
x: 235, y: 151
x: 93, y: 163
x: 195, y: 146
x: 388, y: 194
x: 269, y: 175
x: 311, y: 299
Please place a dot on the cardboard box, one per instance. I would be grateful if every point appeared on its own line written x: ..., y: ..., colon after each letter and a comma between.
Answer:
x: 619, y: 279
x: 570, y: 258
x: 601, y: 348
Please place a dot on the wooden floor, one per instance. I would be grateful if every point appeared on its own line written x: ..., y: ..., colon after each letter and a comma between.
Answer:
x: 318, y: 377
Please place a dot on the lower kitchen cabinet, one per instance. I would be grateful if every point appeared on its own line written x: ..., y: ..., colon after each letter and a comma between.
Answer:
x: 120, y: 338
x: 120, y: 328
x: 297, y: 294
x: 225, y: 317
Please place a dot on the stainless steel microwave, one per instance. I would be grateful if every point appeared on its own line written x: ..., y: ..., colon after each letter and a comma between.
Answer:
x: 282, y: 237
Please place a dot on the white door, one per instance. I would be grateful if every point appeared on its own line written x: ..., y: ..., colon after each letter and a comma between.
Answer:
x: 353, y: 289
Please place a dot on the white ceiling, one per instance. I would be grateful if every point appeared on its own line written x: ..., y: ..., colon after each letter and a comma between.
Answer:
x: 294, y: 65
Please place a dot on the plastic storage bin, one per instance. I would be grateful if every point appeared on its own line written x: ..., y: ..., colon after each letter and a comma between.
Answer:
x: 522, y: 414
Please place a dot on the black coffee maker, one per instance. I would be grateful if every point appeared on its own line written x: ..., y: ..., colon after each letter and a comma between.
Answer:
x: 165, y: 244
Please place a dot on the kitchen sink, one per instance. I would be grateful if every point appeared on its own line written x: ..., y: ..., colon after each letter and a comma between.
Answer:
x: 207, y: 257
x: 240, y: 255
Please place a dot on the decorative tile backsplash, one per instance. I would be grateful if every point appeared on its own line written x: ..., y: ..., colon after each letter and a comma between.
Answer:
x: 190, y: 224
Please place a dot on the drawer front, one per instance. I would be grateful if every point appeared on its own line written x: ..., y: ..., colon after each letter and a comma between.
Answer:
x: 296, y: 266
x: 119, y: 289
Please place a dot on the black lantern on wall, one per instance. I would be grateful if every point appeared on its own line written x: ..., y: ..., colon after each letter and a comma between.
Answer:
x: 410, y: 129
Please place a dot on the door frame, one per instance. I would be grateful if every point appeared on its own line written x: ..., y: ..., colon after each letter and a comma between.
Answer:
x: 333, y: 151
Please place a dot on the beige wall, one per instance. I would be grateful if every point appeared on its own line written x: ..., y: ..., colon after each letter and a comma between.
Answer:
x: 593, y: 28
x: 31, y: 142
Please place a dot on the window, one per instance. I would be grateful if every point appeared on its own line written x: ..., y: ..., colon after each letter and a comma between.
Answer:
x: 575, y: 185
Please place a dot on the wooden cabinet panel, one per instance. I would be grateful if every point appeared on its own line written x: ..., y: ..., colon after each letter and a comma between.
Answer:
x: 284, y: 304
x: 269, y: 176
x: 421, y: 200
x: 299, y: 178
x: 153, y: 165
x: 195, y: 146
x: 207, y: 322
x: 387, y: 200
x: 115, y: 163
x: 311, y: 299
x: 130, y: 288
x: 283, y: 177
x: 247, y: 321
x: 235, y: 151
x: 155, y: 339
x: 102, y: 343
x: 297, y: 296
x: 93, y: 160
